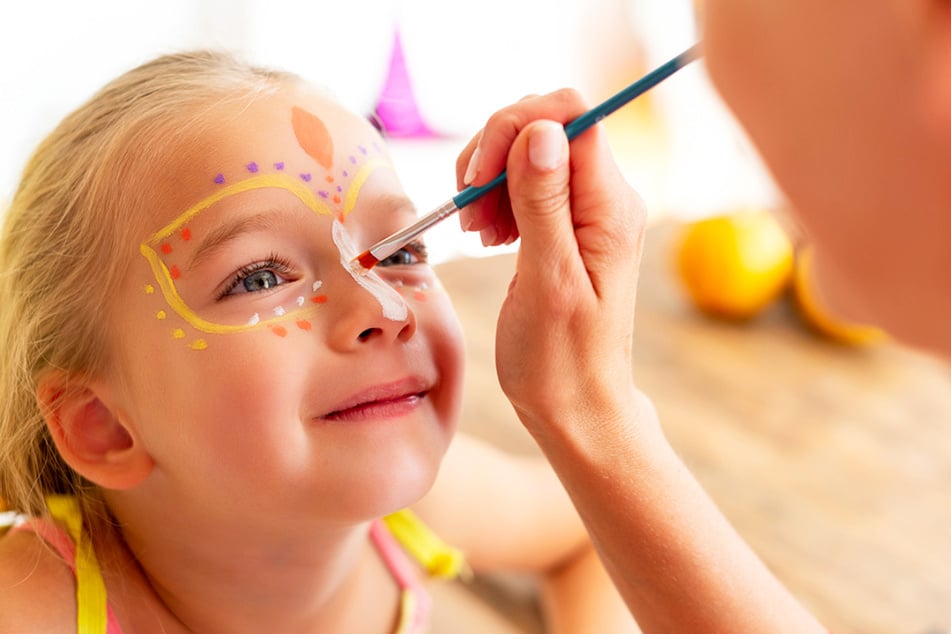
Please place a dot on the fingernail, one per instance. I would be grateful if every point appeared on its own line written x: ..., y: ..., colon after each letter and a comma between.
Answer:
x: 489, y: 236
x: 465, y: 220
x: 546, y: 146
x: 472, y: 170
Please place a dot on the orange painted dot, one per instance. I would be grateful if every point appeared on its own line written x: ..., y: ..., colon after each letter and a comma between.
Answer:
x: 319, y: 299
x: 419, y: 295
x: 280, y: 331
x: 175, y: 273
x: 303, y: 324
x: 340, y: 216
x: 186, y: 234
x: 166, y: 248
x: 336, y: 198
x: 330, y: 178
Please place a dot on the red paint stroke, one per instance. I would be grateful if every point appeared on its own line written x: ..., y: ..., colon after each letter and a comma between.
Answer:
x: 166, y: 248
x: 280, y: 331
x: 313, y: 136
x: 186, y: 234
x: 319, y: 299
x: 175, y: 273
x: 303, y: 324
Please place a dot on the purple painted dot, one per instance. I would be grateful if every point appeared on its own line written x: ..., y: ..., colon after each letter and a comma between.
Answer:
x: 339, y: 189
x: 323, y: 194
x: 279, y: 165
x: 305, y: 177
x: 346, y: 174
x: 363, y: 150
x: 220, y: 178
x: 252, y: 167
x: 353, y: 159
x: 376, y: 146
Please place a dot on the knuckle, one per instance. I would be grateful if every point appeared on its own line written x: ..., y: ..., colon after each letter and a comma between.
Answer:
x: 548, y: 194
x: 570, y: 98
x: 629, y: 224
x: 505, y: 121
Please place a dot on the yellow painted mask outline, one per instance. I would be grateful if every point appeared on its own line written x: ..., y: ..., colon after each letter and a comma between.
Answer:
x: 312, y: 201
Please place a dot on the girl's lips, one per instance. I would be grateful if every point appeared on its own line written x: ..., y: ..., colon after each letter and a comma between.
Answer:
x: 376, y: 410
x: 387, y: 400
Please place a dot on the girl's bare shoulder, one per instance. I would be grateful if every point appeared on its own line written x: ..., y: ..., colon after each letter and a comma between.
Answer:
x: 37, y: 588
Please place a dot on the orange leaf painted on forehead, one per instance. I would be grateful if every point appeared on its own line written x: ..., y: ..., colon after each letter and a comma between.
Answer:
x: 313, y: 136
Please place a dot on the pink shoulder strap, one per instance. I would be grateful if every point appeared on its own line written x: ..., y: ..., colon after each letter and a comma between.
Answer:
x: 60, y: 541
x: 416, y: 602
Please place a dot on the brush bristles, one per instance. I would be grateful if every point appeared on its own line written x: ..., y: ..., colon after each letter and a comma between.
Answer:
x: 363, y: 263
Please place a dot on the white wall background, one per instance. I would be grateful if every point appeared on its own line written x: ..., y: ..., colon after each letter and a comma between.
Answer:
x: 466, y: 59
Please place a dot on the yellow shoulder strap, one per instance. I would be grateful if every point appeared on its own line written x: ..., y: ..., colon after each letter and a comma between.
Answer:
x: 436, y: 556
x: 90, y: 588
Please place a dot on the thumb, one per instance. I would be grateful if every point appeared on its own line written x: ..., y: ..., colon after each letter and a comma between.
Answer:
x: 540, y: 195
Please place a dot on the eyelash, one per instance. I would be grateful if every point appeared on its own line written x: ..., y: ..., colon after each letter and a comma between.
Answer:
x: 415, y: 248
x: 272, y: 262
x: 282, y: 267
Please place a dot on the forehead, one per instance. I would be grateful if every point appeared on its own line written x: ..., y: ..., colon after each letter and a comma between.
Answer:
x: 299, y: 134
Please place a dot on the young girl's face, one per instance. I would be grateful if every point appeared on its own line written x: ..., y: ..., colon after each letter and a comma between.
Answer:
x: 256, y: 368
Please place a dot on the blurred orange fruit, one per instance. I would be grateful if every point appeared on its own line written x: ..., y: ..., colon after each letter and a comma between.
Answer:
x: 821, y: 318
x: 734, y: 265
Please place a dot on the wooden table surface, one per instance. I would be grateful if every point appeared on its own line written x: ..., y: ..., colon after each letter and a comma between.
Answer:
x: 834, y: 463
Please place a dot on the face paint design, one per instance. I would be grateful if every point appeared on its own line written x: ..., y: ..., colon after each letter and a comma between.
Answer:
x: 394, y: 307
x: 171, y: 251
x: 313, y: 137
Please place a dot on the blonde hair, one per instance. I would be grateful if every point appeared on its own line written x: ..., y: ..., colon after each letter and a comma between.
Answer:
x: 70, y: 217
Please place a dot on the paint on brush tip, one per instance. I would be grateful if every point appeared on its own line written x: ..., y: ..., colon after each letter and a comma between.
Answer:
x: 394, y: 307
x: 356, y: 267
x: 365, y: 261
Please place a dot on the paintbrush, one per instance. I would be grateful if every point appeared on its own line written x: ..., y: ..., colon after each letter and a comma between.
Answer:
x: 393, y: 243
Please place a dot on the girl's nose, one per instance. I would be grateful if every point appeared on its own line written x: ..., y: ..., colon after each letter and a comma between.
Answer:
x: 366, y: 316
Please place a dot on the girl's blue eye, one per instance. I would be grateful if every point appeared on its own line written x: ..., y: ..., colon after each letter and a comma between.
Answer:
x: 413, y: 253
x: 260, y: 280
x: 259, y: 276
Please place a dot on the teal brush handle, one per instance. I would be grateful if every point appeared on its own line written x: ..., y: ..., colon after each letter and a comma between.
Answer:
x: 390, y: 245
x: 583, y: 122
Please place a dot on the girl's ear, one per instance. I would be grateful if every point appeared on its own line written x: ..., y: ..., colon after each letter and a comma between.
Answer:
x: 91, y: 438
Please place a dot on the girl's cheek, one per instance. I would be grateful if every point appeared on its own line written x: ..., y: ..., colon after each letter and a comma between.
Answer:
x: 419, y: 290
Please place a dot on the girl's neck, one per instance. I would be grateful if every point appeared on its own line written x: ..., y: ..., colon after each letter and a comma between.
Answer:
x: 195, y: 577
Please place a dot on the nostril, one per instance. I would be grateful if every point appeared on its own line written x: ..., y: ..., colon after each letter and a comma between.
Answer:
x: 368, y: 333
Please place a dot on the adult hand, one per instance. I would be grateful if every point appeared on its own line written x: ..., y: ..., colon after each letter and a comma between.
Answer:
x: 563, y: 351
x: 563, y: 346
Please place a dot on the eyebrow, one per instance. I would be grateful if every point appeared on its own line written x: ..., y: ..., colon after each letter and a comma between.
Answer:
x: 397, y: 203
x: 227, y: 232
